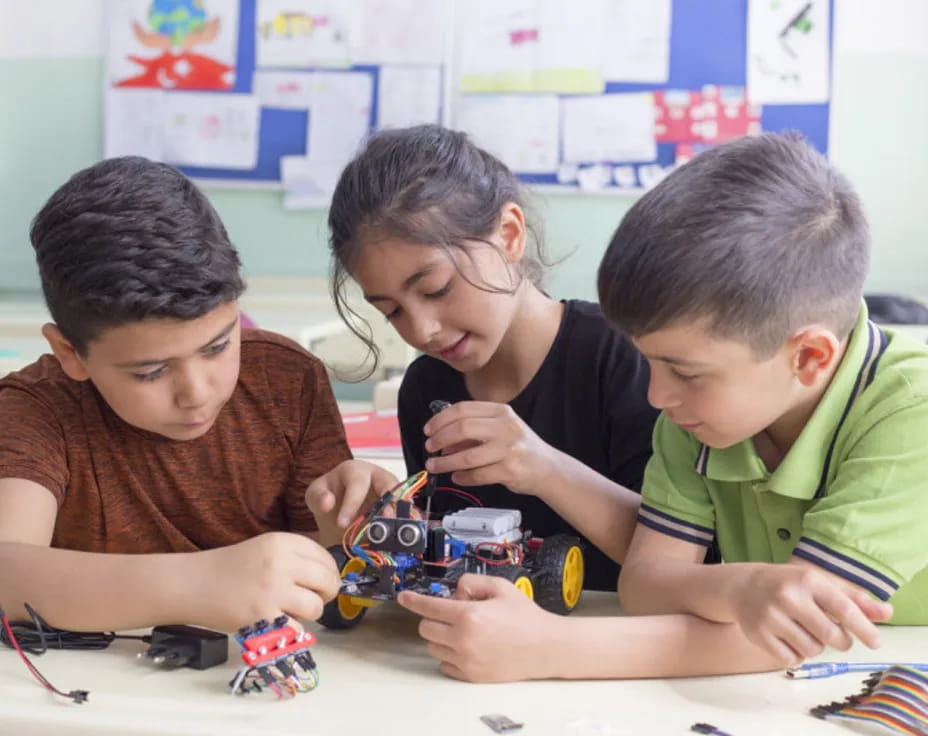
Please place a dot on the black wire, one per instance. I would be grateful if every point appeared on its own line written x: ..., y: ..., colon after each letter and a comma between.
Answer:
x: 36, y: 636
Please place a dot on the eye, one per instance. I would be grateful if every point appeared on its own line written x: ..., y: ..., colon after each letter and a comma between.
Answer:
x: 217, y: 348
x: 684, y: 376
x: 151, y: 375
x: 440, y: 292
x: 392, y: 314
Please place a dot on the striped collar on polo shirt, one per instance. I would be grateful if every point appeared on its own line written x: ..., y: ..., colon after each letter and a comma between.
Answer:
x: 816, y: 445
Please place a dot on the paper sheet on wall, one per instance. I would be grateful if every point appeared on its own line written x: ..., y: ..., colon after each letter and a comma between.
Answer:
x: 307, y: 183
x: 408, y: 95
x: 615, y: 127
x: 399, y: 31
x: 884, y: 27
x: 51, y: 29
x: 638, y: 46
x: 300, y: 33
x: 216, y: 131
x: 133, y: 120
x: 529, y: 147
x: 339, y: 116
x: 531, y: 46
x: 192, y: 48
x: 284, y: 90
x: 787, y: 56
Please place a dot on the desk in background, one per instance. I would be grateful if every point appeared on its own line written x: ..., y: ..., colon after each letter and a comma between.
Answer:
x: 378, y: 679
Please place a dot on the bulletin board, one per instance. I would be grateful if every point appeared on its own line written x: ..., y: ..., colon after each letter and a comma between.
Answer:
x: 708, y: 58
x: 135, y: 100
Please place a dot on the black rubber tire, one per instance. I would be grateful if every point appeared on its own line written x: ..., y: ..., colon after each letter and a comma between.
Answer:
x: 550, y: 563
x: 332, y: 616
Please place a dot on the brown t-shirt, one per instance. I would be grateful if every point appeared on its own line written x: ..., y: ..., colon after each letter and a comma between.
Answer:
x: 126, y: 490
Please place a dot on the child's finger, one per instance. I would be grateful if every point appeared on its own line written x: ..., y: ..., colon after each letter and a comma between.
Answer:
x: 873, y: 609
x: 458, y: 411
x: 481, y: 587
x: 444, y: 610
x: 319, y: 498
x: 844, y: 610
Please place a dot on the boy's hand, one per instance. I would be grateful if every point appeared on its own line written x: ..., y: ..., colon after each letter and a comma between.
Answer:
x: 794, y: 611
x: 483, y: 443
x: 263, y: 577
x: 337, y: 497
x: 489, y: 632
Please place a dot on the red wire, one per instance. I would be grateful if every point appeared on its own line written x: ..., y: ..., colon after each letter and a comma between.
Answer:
x: 458, y: 491
x: 75, y: 696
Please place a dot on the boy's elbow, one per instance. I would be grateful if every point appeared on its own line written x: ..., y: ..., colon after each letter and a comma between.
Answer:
x: 630, y: 590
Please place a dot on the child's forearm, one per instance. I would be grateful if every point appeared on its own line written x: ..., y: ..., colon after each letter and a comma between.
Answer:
x: 663, y: 586
x: 626, y: 647
x: 84, y: 591
x: 604, y: 511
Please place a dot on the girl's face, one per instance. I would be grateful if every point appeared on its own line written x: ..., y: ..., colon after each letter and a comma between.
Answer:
x: 452, y: 304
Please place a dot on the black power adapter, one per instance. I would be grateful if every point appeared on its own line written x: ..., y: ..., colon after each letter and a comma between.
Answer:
x: 187, y: 646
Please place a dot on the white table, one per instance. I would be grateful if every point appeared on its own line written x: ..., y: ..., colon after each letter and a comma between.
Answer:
x: 378, y: 679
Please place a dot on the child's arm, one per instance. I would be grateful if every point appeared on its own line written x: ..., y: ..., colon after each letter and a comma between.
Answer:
x: 484, y: 443
x: 791, y: 610
x: 337, y: 497
x: 223, y: 588
x: 492, y: 633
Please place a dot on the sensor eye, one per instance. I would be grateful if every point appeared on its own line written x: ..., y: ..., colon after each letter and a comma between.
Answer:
x: 409, y: 535
x: 378, y: 532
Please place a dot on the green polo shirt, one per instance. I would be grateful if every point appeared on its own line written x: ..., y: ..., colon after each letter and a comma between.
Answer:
x: 851, y: 495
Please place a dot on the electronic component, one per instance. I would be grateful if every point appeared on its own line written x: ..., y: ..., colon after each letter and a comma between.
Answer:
x: 500, y: 723
x: 708, y: 728
x: 187, y: 646
x: 278, y: 656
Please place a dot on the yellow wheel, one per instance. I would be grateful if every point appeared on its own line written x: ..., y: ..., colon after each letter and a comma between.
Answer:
x: 559, y: 573
x: 345, y: 612
x: 518, y: 576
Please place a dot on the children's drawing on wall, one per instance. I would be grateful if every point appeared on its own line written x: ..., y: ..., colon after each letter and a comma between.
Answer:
x: 301, y: 33
x: 172, y: 44
x: 787, y: 61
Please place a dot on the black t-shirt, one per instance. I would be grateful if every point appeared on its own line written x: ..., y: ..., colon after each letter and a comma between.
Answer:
x: 588, y: 399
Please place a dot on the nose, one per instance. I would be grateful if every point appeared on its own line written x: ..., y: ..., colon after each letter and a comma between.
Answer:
x: 421, y: 329
x: 191, y: 387
x: 661, y: 394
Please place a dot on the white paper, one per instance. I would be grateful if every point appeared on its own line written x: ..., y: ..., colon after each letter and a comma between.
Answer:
x: 638, y: 41
x: 51, y: 29
x: 594, y: 178
x: 308, y: 184
x: 134, y: 120
x: 211, y: 130
x: 884, y: 27
x: 339, y: 117
x: 531, y: 45
x: 520, y: 130
x: 399, y: 31
x: 301, y: 33
x: 129, y: 34
x: 610, y: 128
x: 285, y: 90
x: 624, y: 176
x: 788, y: 51
x: 408, y: 95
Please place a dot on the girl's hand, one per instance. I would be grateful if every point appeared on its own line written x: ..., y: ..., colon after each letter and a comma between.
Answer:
x: 483, y: 442
x: 489, y: 632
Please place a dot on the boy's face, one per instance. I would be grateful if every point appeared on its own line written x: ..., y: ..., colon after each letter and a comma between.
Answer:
x: 167, y: 376
x: 717, y: 389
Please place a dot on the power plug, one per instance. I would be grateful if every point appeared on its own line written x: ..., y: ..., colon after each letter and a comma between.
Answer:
x: 187, y: 646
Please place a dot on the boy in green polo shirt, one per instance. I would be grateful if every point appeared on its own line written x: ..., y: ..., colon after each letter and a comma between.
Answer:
x: 793, y: 428
x: 793, y: 433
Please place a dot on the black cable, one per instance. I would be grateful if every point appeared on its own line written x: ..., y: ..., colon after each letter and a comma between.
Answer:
x: 36, y: 636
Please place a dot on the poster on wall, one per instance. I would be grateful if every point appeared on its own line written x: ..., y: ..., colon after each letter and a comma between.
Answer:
x: 788, y: 42
x: 172, y: 44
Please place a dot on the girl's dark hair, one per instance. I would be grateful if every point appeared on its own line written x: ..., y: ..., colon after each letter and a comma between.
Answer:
x: 128, y: 239
x: 426, y: 185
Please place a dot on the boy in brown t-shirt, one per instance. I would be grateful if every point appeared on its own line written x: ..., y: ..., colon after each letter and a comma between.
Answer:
x: 150, y: 470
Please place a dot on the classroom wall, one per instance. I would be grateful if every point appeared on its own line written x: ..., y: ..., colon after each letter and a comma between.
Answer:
x: 51, y: 125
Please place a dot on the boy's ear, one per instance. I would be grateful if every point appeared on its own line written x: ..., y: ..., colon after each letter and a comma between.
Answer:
x: 815, y: 351
x: 71, y: 363
x: 512, y: 231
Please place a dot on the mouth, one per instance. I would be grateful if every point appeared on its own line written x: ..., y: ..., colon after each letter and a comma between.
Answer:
x: 455, y: 350
x: 686, y: 426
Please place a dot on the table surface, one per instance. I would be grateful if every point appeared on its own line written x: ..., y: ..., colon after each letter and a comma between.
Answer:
x: 379, y: 679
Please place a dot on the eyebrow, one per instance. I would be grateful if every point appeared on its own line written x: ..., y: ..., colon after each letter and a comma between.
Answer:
x: 407, y: 284
x: 158, y: 361
x: 677, y: 361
